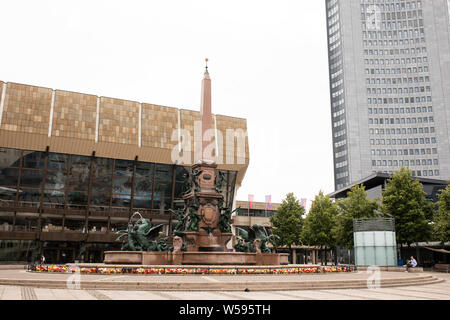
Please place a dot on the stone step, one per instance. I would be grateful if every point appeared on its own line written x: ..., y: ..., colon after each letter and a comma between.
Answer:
x: 223, y: 286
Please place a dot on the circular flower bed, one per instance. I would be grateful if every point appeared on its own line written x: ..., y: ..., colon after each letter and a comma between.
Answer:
x: 192, y: 270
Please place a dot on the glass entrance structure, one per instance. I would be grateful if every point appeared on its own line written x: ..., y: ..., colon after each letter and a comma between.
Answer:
x: 374, y: 242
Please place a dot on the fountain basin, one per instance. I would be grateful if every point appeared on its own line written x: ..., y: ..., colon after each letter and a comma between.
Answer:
x: 195, y: 258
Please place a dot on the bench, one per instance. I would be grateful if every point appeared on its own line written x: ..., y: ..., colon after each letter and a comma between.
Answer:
x: 441, y: 267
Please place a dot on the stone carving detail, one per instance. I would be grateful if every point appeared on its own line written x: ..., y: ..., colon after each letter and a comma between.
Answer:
x: 140, y: 236
x: 247, y: 239
x: 180, y: 215
x: 177, y: 244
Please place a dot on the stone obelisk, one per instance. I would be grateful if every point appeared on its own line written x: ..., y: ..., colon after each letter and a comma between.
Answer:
x: 206, y: 200
x: 205, y: 113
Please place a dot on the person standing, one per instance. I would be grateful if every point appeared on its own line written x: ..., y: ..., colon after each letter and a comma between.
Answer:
x: 42, y: 259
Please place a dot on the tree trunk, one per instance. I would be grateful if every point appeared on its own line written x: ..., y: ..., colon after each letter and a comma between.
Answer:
x: 321, y: 253
x: 401, y: 253
x: 417, y: 253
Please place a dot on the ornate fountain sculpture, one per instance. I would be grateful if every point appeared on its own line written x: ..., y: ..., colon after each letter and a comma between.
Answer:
x: 207, y: 222
x: 204, y: 224
x: 140, y: 236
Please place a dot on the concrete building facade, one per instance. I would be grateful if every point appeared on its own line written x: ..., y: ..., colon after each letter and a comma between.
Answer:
x: 389, y: 68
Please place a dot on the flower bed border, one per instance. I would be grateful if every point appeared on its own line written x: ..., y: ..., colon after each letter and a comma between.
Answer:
x: 189, y: 270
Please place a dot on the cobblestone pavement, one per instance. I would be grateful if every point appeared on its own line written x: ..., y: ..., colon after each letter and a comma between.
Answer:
x: 435, y: 291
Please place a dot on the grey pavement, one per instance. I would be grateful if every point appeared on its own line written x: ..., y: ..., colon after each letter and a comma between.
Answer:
x: 435, y: 291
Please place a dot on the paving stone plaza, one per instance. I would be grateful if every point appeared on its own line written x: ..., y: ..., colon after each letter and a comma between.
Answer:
x: 262, y: 287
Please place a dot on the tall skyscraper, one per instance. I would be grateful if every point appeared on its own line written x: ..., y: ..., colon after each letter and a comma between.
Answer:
x: 389, y: 65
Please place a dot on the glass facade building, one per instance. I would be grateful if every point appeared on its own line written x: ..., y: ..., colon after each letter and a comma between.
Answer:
x: 75, y: 167
x: 73, y: 193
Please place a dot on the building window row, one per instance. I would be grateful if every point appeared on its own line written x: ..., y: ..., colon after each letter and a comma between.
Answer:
x: 403, y: 152
x: 390, y: 43
x: 399, y: 100
x: 398, y: 131
x: 398, y: 70
x: 409, y: 141
x: 386, y: 52
x: 388, y: 81
x: 384, y: 91
x: 388, y: 121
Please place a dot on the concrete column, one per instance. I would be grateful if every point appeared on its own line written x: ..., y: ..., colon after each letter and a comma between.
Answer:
x: 294, y: 256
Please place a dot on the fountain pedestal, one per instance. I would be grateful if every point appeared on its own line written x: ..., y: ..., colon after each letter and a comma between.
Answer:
x: 203, y: 242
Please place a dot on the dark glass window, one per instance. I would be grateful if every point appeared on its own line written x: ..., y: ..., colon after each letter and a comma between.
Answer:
x: 55, y: 180
x: 144, y: 170
x: 9, y: 158
x: 102, y: 184
x: 33, y: 159
x: 100, y: 199
x: 57, y: 161
x: 164, y: 172
x: 163, y: 189
x: 103, y: 166
x: 122, y: 185
x: 181, y: 173
x: 31, y: 178
x: 79, y: 181
x: 77, y: 198
x: 142, y: 202
x: 80, y: 163
x: 121, y: 200
x: 26, y: 195
x: 123, y: 168
x: 143, y: 187
x: 161, y: 204
x: 53, y: 197
x: 179, y: 190
x: 9, y: 176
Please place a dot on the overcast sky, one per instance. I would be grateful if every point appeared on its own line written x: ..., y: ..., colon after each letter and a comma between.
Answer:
x: 267, y: 61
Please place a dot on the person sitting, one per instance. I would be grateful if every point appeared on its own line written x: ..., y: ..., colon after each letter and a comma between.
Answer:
x: 411, y: 264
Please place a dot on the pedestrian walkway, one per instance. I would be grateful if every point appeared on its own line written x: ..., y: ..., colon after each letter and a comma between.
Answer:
x: 433, y: 291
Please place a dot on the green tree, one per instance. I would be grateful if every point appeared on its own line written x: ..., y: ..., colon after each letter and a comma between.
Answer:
x: 405, y: 200
x: 288, y: 221
x: 318, y: 225
x: 442, y: 217
x: 356, y: 206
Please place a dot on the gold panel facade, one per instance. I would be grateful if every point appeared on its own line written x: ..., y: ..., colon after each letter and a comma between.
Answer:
x: 74, y: 115
x: 26, y: 116
x: 237, y: 137
x: 188, y: 119
x: 158, y: 125
x: 26, y: 109
x: 119, y: 121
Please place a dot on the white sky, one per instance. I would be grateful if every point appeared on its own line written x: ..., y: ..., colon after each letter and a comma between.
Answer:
x: 267, y: 60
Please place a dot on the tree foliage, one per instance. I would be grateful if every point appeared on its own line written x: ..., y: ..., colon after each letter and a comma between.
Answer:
x: 288, y: 221
x: 356, y: 206
x: 442, y: 217
x: 405, y: 200
x: 318, y: 225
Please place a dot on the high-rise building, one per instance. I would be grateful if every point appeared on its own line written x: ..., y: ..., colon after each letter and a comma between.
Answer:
x: 389, y: 66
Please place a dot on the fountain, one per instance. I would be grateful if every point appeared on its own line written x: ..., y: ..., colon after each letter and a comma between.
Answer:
x: 204, y: 224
